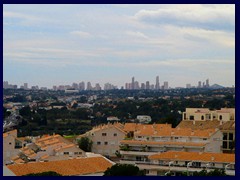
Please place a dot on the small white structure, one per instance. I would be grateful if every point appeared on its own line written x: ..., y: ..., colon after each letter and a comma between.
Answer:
x: 112, y: 118
x: 144, y: 119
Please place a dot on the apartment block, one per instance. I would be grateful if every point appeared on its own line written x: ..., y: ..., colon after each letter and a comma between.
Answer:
x: 106, y: 138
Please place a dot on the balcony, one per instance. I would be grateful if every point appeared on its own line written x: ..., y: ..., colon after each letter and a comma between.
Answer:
x: 137, y: 153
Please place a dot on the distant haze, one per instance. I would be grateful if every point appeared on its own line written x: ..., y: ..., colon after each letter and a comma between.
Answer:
x: 48, y: 45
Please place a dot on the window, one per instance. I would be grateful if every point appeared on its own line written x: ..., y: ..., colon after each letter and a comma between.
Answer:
x: 10, y: 143
x: 220, y: 117
x: 225, y: 144
x: 202, y: 117
x: 115, y: 134
x: 66, y: 153
x: 191, y: 117
x: 224, y: 136
x: 204, y: 139
x: 230, y: 136
x: 77, y: 153
x: 139, y: 136
x: 98, y: 143
x: 104, y: 134
x: 176, y: 137
x: 106, y: 143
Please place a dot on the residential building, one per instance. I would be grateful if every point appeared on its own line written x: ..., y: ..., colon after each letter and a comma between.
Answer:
x: 9, y: 143
x: 149, y: 139
x: 203, y: 118
x: 106, y: 138
x: 202, y: 114
x: 174, y: 162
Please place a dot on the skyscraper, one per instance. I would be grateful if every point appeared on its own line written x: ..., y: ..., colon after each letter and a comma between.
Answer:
x: 207, y: 83
x: 133, y: 83
x: 81, y: 86
x: 147, y: 85
x: 25, y: 85
x: 165, y: 85
x: 157, y: 85
x: 89, y: 86
x: 199, y: 84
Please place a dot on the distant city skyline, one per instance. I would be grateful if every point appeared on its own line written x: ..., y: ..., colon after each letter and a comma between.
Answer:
x: 133, y: 85
x: 182, y: 44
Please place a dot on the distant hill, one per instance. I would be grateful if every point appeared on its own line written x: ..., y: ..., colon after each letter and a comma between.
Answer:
x: 216, y: 86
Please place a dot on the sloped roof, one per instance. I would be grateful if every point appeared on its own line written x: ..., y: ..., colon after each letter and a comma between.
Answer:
x: 195, y: 156
x: 81, y: 166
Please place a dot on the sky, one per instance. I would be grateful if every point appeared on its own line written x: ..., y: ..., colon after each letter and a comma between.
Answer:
x: 53, y: 44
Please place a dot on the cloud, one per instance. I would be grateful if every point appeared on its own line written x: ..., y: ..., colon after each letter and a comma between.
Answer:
x: 207, y: 17
x: 136, y: 34
x: 81, y: 34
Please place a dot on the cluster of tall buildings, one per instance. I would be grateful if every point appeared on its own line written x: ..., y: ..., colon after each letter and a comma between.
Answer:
x: 81, y: 86
x: 200, y: 84
x: 133, y: 85
x: 136, y: 85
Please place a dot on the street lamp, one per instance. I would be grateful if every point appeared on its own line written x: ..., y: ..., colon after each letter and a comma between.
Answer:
x: 188, y: 164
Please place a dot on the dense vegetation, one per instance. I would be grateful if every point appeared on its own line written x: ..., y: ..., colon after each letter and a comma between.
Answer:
x: 123, y: 170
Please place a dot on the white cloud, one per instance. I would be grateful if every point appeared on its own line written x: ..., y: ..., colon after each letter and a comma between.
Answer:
x: 81, y: 34
x: 137, y: 34
x: 209, y: 17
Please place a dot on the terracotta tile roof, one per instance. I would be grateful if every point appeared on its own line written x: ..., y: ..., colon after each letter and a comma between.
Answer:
x: 17, y: 160
x: 135, y: 142
x: 229, y: 125
x: 6, y: 134
x: 195, y: 156
x: 65, y: 147
x: 166, y: 130
x: 81, y: 166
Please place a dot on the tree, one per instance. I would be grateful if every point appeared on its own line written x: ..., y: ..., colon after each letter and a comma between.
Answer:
x: 85, y: 144
x: 48, y: 173
x: 123, y: 170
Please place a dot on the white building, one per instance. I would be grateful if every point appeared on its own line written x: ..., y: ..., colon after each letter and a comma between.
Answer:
x: 144, y: 119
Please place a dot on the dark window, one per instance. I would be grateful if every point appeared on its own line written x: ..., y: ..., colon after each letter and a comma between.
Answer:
x: 230, y: 136
x: 225, y: 145
x: 191, y: 117
x: 98, y: 143
x: 220, y: 117
x: 204, y: 139
x: 176, y: 137
x: 104, y: 134
x: 66, y: 153
x: 225, y: 136
x: 106, y: 143
x: 202, y: 117
x: 10, y: 143
x: 115, y: 134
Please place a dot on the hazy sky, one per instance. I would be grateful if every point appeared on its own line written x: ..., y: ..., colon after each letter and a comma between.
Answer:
x: 50, y: 45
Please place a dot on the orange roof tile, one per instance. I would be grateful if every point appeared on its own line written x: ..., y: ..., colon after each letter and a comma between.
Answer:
x: 70, y: 167
x: 195, y: 156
